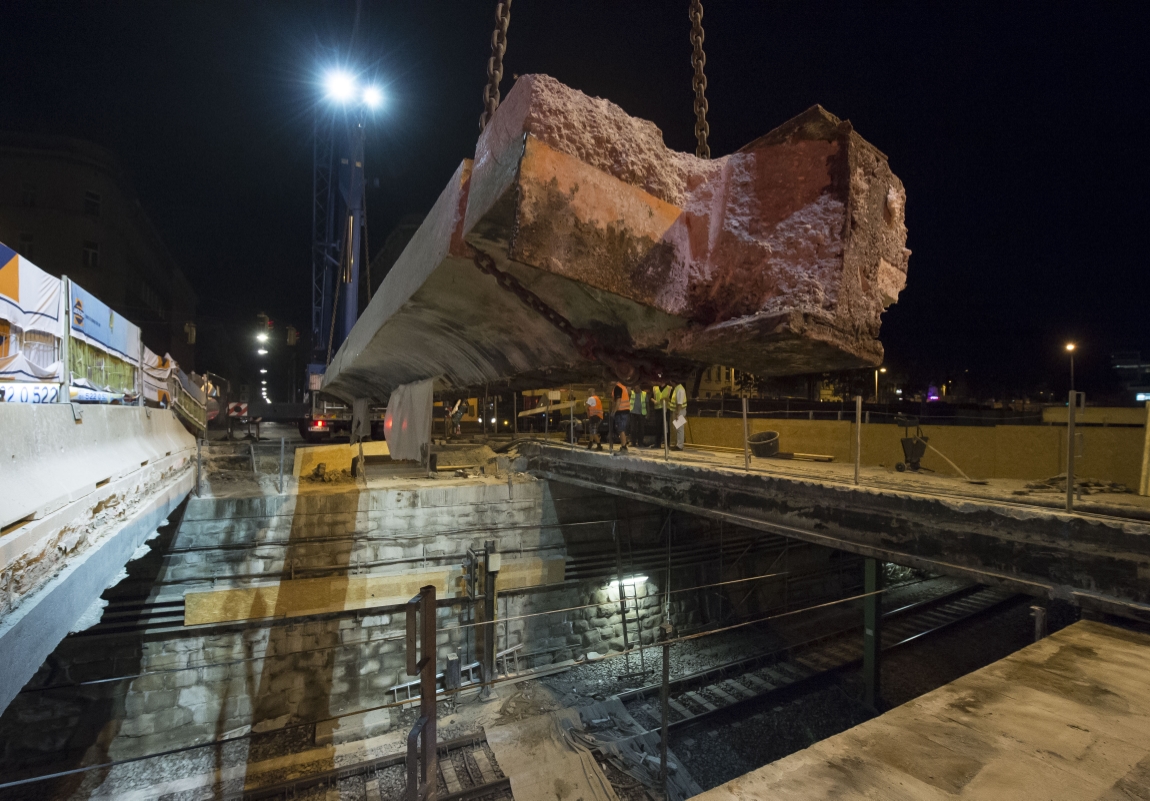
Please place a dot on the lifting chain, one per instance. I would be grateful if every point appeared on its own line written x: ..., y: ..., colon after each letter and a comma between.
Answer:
x: 626, y: 364
x: 495, y: 62
x: 698, y: 61
x: 584, y: 341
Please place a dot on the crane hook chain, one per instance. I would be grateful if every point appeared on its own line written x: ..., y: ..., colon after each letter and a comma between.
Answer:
x: 698, y: 61
x: 584, y: 341
x: 495, y: 62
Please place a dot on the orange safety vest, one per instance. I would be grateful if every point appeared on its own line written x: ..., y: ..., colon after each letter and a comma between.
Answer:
x: 624, y: 400
x: 594, y: 407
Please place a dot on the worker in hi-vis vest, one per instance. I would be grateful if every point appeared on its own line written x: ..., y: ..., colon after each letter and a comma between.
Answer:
x: 679, y: 415
x: 620, y: 413
x: 638, y: 416
x: 594, y: 420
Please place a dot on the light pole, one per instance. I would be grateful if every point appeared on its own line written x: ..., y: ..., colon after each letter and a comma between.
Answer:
x: 339, y: 210
x: 1070, y: 346
x: 876, y: 372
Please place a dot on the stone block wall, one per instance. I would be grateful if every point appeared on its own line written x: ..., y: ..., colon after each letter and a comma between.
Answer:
x: 205, y: 683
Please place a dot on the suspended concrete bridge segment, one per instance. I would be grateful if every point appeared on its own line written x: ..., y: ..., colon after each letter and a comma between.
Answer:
x: 578, y: 247
x: 1099, y: 562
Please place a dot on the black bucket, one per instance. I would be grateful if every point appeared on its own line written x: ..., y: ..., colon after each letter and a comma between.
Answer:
x: 764, y: 444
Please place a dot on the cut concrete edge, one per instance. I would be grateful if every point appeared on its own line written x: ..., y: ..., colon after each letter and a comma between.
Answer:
x: 431, y: 244
x: 35, y: 532
x: 36, y: 627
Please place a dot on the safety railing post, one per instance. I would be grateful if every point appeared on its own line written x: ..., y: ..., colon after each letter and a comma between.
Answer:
x: 1070, y: 414
x: 746, y: 439
x: 858, y: 435
x: 664, y: 704
x: 282, y: 449
x: 199, y: 465
x: 422, y: 756
x: 666, y: 441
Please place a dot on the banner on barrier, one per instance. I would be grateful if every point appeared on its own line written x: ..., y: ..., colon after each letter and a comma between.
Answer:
x: 29, y: 297
x: 157, y: 371
x: 29, y: 393
x: 92, y: 321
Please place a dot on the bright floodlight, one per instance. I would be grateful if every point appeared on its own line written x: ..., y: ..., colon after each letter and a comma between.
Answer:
x: 372, y: 97
x: 627, y: 582
x: 262, y: 337
x: 340, y: 86
x: 262, y: 352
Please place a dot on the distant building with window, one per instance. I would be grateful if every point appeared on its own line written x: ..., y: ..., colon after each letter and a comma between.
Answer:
x: 718, y: 381
x: 67, y: 206
x: 1134, y: 373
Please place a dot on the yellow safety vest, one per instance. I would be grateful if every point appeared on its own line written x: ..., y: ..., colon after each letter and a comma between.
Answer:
x: 639, y: 402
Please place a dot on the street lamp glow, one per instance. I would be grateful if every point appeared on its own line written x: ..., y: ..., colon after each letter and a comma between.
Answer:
x: 262, y: 337
x: 263, y: 382
x: 340, y: 86
x: 882, y: 369
x: 262, y: 352
x: 372, y: 97
x: 263, y: 369
x: 1070, y: 346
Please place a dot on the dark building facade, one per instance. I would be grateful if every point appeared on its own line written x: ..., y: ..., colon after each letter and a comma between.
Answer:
x: 66, y: 205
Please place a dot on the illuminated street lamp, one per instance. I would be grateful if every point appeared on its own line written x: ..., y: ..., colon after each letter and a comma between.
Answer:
x: 876, y: 372
x: 340, y: 86
x: 262, y: 337
x: 1070, y: 346
x: 262, y: 352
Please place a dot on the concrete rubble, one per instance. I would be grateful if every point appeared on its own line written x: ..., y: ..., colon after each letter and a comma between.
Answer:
x: 578, y: 247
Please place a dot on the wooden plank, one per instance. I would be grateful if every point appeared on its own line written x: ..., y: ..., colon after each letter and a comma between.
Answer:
x: 682, y: 710
x: 314, y: 596
x: 449, y: 776
x: 701, y: 701
x: 483, y: 762
x: 780, y: 678
x: 798, y: 671
x: 735, y: 688
x: 758, y: 682
x: 727, y: 698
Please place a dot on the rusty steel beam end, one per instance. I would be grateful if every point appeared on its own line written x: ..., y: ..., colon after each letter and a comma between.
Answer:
x: 422, y: 757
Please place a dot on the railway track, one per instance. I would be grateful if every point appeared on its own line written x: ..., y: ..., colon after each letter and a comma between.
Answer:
x: 467, y: 770
x: 697, y: 697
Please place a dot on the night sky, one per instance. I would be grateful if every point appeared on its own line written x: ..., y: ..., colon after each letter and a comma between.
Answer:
x: 1016, y: 130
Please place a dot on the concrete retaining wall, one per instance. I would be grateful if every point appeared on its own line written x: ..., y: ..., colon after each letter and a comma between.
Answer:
x: 49, y: 457
x: 210, y: 681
